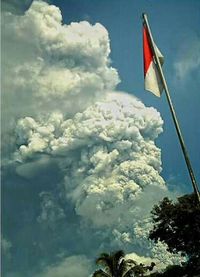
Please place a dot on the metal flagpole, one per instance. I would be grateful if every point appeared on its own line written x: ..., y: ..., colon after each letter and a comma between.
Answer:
x: 182, y: 143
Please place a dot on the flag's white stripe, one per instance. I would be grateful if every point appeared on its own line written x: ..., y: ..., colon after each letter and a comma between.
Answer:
x: 159, y: 54
x: 152, y: 80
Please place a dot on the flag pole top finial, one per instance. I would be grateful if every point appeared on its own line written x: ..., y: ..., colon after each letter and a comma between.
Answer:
x: 144, y: 17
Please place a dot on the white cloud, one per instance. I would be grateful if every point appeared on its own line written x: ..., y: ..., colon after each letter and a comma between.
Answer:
x: 6, y: 245
x: 51, y: 212
x: 110, y: 163
x: 189, y: 59
x: 161, y: 257
x: 120, y: 119
x: 73, y: 266
x: 52, y: 64
x: 15, y: 6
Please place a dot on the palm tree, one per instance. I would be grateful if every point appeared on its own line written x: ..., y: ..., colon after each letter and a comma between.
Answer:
x: 115, y: 265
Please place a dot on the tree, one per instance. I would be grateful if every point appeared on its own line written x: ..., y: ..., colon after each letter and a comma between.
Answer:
x: 115, y: 265
x: 178, y: 225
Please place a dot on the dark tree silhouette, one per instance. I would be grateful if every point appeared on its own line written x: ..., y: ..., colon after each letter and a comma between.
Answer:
x: 178, y: 225
x: 114, y: 265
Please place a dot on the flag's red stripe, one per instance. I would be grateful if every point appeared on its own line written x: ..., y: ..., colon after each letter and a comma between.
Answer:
x: 147, y: 52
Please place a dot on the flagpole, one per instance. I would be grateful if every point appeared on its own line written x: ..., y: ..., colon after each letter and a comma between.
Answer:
x: 182, y: 143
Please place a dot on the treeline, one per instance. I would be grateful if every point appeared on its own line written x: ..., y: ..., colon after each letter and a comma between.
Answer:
x: 175, y: 223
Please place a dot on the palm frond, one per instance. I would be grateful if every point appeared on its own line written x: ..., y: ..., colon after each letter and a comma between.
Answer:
x: 136, y: 269
x: 119, y: 255
x: 113, y: 263
x: 117, y: 258
x: 131, y: 262
x: 102, y: 258
x: 105, y: 260
x: 125, y: 266
x: 100, y: 273
x: 122, y: 268
x: 129, y: 273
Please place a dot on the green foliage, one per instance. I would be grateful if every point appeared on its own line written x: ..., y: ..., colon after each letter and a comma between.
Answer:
x: 170, y: 271
x: 186, y: 270
x: 111, y: 262
x: 178, y: 225
x: 115, y: 265
x: 175, y: 223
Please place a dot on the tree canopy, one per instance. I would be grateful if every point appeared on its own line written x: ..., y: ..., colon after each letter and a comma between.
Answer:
x: 178, y: 225
x: 175, y: 223
x: 115, y: 265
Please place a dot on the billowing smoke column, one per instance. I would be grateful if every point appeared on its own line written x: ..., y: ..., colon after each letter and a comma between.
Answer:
x: 107, y: 154
x: 110, y: 168
x: 85, y: 152
x: 52, y: 64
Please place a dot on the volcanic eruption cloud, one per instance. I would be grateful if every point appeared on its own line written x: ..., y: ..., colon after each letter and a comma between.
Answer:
x: 81, y: 169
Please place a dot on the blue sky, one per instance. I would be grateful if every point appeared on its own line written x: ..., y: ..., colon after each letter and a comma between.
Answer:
x: 175, y: 27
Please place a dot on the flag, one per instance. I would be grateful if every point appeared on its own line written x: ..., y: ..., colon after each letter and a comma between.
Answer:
x: 152, y: 79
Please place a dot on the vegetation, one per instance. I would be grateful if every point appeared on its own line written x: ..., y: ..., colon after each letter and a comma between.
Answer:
x: 178, y: 225
x: 115, y: 265
x: 175, y: 223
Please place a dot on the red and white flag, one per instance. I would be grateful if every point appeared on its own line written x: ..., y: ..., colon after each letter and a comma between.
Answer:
x: 152, y: 81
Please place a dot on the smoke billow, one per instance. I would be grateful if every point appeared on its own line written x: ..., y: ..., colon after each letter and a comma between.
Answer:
x: 83, y: 170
